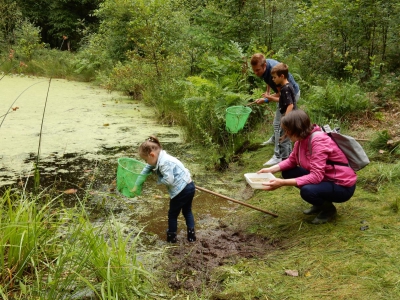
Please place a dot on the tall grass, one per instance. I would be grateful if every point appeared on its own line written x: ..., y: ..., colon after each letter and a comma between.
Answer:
x: 51, y: 63
x: 25, y: 228
x: 52, y: 253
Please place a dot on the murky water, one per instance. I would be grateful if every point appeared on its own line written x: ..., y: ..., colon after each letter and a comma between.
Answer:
x: 85, y: 130
x: 78, y: 118
x: 206, y: 208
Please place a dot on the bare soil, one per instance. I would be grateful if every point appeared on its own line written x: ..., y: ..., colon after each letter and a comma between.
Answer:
x: 190, y: 266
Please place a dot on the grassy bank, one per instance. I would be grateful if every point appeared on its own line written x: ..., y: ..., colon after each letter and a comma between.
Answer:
x: 353, y: 257
x: 51, y: 252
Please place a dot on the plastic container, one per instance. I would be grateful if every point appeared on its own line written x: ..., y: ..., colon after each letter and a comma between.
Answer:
x: 255, y: 180
x: 128, y: 173
x: 236, y: 117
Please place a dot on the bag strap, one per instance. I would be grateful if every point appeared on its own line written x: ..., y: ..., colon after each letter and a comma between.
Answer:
x: 328, y: 162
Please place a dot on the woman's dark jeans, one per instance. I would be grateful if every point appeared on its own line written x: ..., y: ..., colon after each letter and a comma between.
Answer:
x: 183, y: 201
x: 325, y: 191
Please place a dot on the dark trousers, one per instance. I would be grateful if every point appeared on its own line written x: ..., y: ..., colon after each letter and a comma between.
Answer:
x: 317, y: 194
x: 181, y: 202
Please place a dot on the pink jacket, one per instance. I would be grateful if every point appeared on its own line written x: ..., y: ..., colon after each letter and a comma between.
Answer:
x: 323, y: 149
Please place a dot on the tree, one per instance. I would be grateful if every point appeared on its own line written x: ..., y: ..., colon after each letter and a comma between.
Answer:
x: 342, y: 37
x: 10, y: 17
x: 60, y: 18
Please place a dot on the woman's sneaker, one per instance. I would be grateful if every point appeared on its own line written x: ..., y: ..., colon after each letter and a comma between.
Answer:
x: 313, y: 210
x: 328, y: 211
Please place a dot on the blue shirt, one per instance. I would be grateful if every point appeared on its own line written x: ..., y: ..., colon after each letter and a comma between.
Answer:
x: 268, y: 77
x: 171, y: 172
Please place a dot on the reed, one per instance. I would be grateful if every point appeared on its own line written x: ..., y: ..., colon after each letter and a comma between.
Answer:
x: 52, y: 253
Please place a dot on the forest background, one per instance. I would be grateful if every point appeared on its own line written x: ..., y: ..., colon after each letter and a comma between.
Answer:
x: 190, y: 61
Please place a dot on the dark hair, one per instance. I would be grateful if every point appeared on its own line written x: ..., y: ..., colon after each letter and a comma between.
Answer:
x: 280, y: 69
x: 257, y: 58
x: 150, y: 144
x: 297, y: 123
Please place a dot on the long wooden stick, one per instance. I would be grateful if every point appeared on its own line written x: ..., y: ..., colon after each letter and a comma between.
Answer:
x: 233, y: 200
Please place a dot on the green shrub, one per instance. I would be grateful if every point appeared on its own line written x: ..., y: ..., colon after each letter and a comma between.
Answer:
x: 27, y: 38
x: 51, y: 63
x: 388, y: 88
x: 129, y: 78
x: 337, y: 100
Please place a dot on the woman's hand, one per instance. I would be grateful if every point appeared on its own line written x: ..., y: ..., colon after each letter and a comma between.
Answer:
x: 273, y: 184
x: 264, y: 170
x: 271, y: 170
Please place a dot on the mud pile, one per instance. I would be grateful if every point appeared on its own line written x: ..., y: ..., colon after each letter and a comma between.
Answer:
x: 190, y: 266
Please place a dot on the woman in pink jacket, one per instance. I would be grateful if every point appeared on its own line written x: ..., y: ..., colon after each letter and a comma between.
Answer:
x: 322, y: 177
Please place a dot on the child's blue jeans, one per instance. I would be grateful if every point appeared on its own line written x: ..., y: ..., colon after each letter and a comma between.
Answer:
x: 317, y: 194
x: 181, y: 202
x: 284, y: 148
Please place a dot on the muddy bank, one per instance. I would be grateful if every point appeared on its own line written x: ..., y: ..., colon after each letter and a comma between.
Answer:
x: 192, y: 266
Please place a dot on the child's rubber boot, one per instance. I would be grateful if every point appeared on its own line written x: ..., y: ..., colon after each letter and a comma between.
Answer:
x: 191, y: 235
x: 171, y: 237
x: 328, y: 211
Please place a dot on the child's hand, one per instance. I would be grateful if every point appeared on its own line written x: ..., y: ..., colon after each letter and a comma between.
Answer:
x: 265, y: 95
x: 259, y: 101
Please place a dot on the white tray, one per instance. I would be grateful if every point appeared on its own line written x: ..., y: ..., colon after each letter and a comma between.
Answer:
x: 257, y: 184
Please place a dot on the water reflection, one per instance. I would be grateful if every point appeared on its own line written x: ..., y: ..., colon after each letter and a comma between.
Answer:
x: 205, y: 207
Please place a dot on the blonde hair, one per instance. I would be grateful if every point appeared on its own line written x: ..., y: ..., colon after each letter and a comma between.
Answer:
x: 149, y: 145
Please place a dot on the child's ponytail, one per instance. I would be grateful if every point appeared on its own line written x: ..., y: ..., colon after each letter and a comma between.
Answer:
x: 150, y: 144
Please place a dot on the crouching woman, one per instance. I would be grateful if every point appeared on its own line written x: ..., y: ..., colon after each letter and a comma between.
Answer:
x: 317, y: 167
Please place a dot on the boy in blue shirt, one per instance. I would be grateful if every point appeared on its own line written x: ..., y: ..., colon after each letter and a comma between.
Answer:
x: 262, y: 68
x: 286, y: 103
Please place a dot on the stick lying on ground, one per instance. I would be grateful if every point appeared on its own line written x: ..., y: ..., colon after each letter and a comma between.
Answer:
x: 236, y: 201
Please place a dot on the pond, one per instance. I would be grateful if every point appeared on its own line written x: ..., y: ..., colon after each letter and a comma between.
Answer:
x: 82, y: 131
x: 77, y: 119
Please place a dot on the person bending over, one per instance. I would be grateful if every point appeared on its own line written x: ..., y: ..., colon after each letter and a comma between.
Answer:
x: 321, y: 181
x: 286, y: 103
x: 262, y: 68
x: 176, y: 177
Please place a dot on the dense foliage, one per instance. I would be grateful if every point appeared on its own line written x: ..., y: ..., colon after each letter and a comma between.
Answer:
x: 190, y: 59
